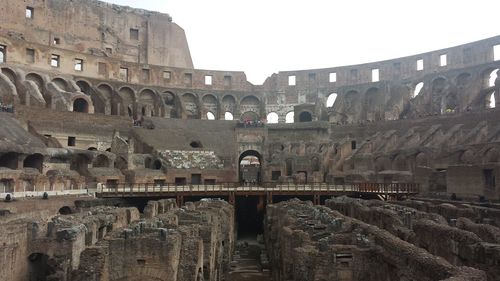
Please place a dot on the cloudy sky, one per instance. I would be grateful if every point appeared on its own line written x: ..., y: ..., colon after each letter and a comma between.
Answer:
x: 262, y: 37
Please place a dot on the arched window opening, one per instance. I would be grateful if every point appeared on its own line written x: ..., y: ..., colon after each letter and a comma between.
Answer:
x: 228, y: 116
x: 34, y: 161
x: 101, y: 161
x: 492, y: 103
x: 9, y: 160
x: 418, y: 89
x: 331, y: 100
x: 289, y: 118
x: 80, y: 105
x: 156, y: 165
x: 210, y: 116
x: 196, y: 144
x: 272, y: 118
x: 305, y: 116
x: 250, y: 164
x: 493, y: 77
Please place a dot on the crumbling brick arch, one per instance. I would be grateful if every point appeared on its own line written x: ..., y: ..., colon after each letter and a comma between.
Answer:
x: 468, y: 157
x: 148, y: 102
x: 128, y: 101
x: 491, y: 155
x: 250, y: 103
x: 11, y: 74
x: 82, y: 103
x: 191, y: 106
x: 489, y: 77
x: 80, y: 163
x: 229, y: 104
x: 305, y: 116
x: 98, y: 103
x: 400, y: 163
x: 171, y: 104
x: 210, y: 104
x: 105, y: 101
x: 61, y: 83
x: 40, y: 82
x: 382, y: 163
x: 422, y: 160
x: 34, y: 161
x: 101, y: 161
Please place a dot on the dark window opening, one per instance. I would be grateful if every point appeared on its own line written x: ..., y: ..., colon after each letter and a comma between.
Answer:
x: 80, y: 105
x: 30, y: 55
x: 180, y: 181
x: 134, y: 34
x: 305, y: 117
x: 56, y: 41
x: 112, y: 183
x: 109, y: 50
x: 489, y: 178
x: 71, y: 141
x: 34, y: 161
x: 275, y: 175
x: 167, y: 75
x: 353, y: 145
x: 195, y: 178
x: 78, y: 65
x: 196, y: 144
x: 30, y: 12
x: 141, y: 262
x: 55, y: 60
x: 156, y: 165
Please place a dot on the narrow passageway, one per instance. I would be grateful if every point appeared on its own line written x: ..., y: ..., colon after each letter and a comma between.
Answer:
x: 249, y: 262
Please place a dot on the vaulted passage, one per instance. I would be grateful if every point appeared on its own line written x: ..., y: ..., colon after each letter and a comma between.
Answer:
x: 80, y: 105
x: 250, y: 167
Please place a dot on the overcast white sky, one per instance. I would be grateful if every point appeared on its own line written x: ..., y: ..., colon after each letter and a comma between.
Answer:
x: 261, y: 37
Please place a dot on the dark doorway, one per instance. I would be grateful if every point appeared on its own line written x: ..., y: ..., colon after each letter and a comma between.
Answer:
x: 195, y: 178
x: 305, y: 117
x: 34, y: 161
x: 180, y: 181
x: 249, y: 216
x: 39, y: 268
x: 80, y: 105
x: 250, y: 167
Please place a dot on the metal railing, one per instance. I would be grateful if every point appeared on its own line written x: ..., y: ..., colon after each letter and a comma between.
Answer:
x: 376, y: 188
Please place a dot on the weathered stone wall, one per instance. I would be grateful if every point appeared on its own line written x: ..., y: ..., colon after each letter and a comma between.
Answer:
x: 304, y: 241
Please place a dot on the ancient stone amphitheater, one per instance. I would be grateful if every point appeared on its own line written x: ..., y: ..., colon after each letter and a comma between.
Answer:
x: 119, y: 161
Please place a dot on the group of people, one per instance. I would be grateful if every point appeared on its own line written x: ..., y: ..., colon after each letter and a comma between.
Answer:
x: 249, y: 123
x: 6, y: 107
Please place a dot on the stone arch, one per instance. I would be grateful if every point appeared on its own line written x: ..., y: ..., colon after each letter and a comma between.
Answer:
x: 10, y: 73
x: 101, y: 161
x: 250, y: 115
x: 80, y: 163
x: 61, y: 83
x: 400, y: 163
x: 491, y: 155
x: 84, y: 87
x: 272, y: 118
x: 417, y: 89
x: 107, y: 102
x: 250, y: 103
x: 127, y: 96
x: 290, y: 117
x: 39, y: 82
x: 315, y: 164
x: 80, y: 105
x: 330, y: 101
x: 121, y: 163
x: 191, y: 106
x: 156, y: 165
x: 229, y: 104
x: 382, y: 163
x: 147, y: 102
x: 171, y: 104
x: 463, y: 80
x: 489, y: 77
x: 422, y: 160
x: 468, y: 157
x: 34, y: 161
x: 305, y: 116
x: 257, y: 172
x: 210, y: 104
x: 371, y: 101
